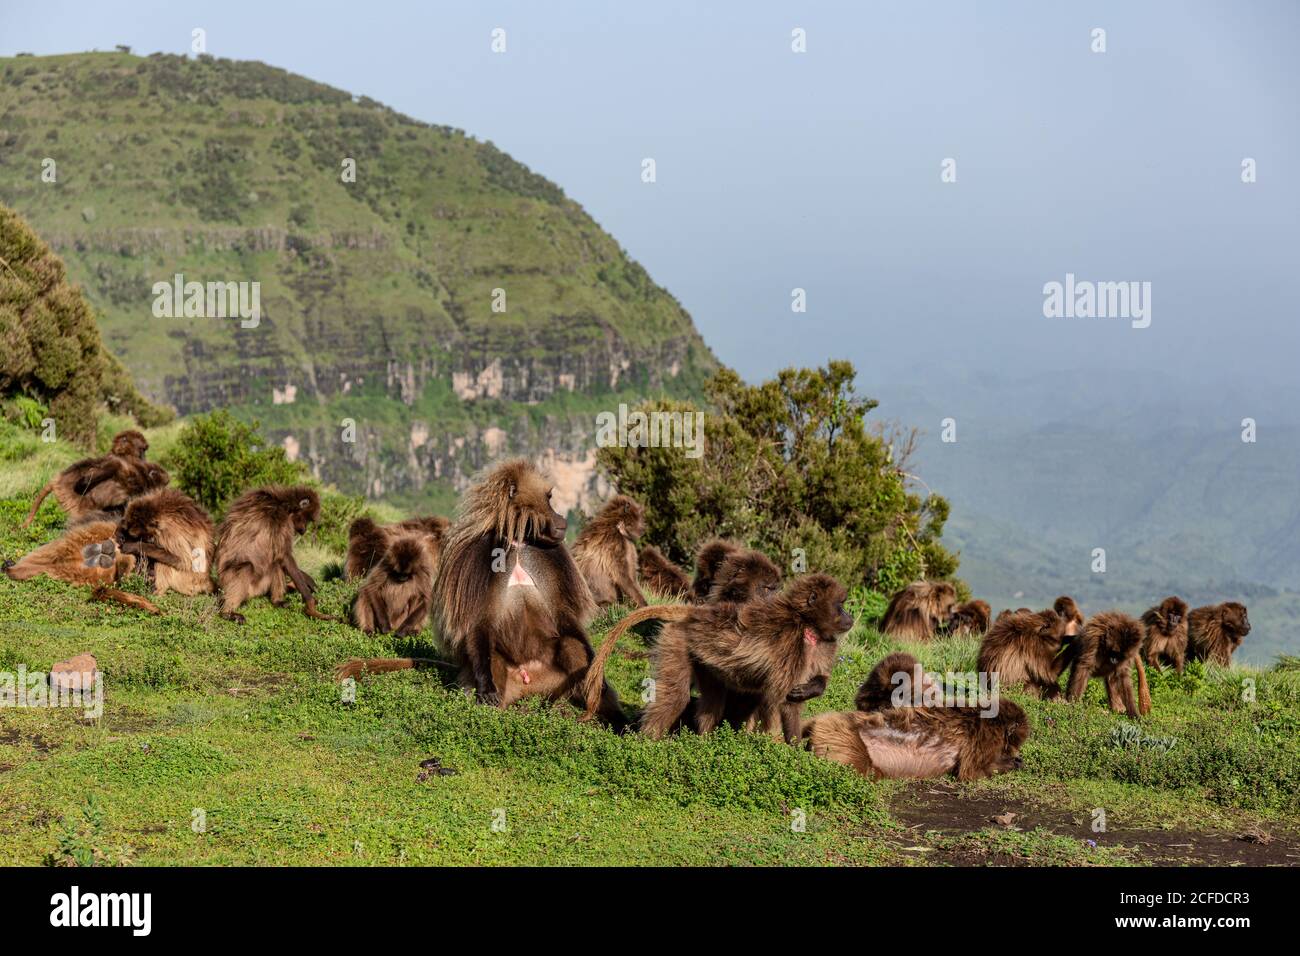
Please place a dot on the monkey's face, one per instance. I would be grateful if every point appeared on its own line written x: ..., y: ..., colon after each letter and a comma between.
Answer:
x: 133, y: 528
x: 1120, y: 644
x: 306, y: 510
x: 963, y: 621
x: 1052, y: 628
x: 1012, y: 730
x: 1070, y: 613
x: 945, y: 602
x: 631, y: 522
x: 750, y: 575
x: 822, y: 599
x: 972, y: 616
x: 130, y: 444
x: 1235, y: 620
x: 530, y: 499
x: 1175, y: 612
x: 402, y: 560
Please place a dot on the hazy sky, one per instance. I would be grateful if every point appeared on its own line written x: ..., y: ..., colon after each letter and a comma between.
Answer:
x: 821, y: 170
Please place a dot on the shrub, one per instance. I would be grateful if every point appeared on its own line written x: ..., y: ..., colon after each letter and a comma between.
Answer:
x: 25, y: 411
x: 217, y: 458
x: 50, y: 349
x: 336, y: 513
x: 790, y: 467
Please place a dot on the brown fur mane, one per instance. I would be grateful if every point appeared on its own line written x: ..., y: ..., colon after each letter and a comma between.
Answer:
x: 604, y: 551
x: 970, y: 618
x: 395, y: 594
x: 509, y: 503
x: 660, y: 574
x: 919, y: 609
x: 244, y: 528
x: 129, y: 444
x: 1216, y: 631
x: 744, y: 575
x: 1163, y: 640
x: 176, y: 523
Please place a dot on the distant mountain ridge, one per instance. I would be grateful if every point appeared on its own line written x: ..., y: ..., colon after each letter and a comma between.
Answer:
x: 1148, y: 467
x: 449, y: 302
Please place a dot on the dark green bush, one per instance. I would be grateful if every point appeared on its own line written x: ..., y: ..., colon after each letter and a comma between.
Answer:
x: 790, y: 467
x: 50, y: 349
x: 217, y: 458
x: 336, y: 513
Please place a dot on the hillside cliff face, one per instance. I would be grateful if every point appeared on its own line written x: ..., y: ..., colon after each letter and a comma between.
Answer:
x: 426, y: 302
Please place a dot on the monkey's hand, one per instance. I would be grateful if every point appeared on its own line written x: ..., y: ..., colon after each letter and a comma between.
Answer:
x: 808, y: 690
x: 488, y: 696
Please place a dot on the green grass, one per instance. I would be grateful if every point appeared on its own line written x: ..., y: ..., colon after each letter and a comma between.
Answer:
x: 246, y: 725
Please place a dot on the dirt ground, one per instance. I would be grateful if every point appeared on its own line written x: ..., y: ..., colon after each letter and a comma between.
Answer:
x: 942, y: 808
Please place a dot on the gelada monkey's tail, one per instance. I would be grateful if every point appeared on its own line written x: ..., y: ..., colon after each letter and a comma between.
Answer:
x: 36, y: 505
x: 1144, y: 691
x: 357, y: 666
x: 594, y: 684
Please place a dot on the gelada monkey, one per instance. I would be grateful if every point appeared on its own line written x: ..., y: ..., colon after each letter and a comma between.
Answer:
x: 918, y: 610
x: 1110, y: 647
x: 1024, y: 647
x: 172, y: 537
x: 1216, y: 631
x: 510, y: 604
x: 1166, y: 634
x: 605, y: 552
x: 255, y: 548
x: 105, y: 483
x: 85, y: 555
x: 765, y: 647
x: 920, y: 742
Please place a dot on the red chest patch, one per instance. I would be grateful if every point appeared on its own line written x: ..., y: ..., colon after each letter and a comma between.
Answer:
x: 520, y: 578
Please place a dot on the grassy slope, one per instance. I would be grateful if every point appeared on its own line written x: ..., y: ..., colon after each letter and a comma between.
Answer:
x: 246, y: 724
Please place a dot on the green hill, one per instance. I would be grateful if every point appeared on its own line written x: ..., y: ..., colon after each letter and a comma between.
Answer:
x: 376, y: 295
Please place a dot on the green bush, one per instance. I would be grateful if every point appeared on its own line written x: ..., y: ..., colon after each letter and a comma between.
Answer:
x: 25, y: 411
x: 336, y: 513
x: 867, y: 606
x: 217, y: 458
x: 50, y: 349
x: 789, y: 467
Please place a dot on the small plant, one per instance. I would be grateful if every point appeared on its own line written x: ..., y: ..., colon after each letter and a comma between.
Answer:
x: 26, y: 411
x: 78, y: 844
x: 866, y: 606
